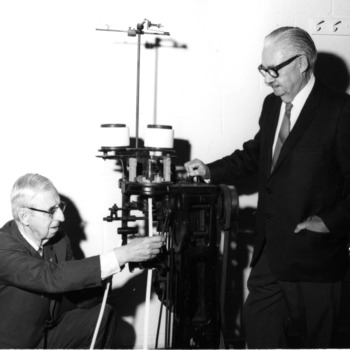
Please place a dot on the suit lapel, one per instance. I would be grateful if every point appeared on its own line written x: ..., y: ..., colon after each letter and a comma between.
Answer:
x: 49, y: 253
x: 50, y: 256
x: 307, y: 114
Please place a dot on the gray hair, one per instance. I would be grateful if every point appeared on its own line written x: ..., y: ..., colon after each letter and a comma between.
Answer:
x: 26, y: 188
x: 295, y: 41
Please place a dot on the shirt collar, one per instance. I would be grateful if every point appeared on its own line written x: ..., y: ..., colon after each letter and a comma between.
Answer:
x: 30, y: 241
x: 302, y: 96
x: 299, y: 101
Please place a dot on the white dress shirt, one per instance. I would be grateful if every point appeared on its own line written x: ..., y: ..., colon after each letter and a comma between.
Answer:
x: 298, y: 104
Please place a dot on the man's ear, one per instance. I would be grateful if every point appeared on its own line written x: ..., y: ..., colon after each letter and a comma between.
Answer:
x: 24, y: 216
x: 303, y: 63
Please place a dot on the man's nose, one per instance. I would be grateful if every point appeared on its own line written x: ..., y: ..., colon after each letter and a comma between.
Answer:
x: 269, y: 79
x: 58, y: 215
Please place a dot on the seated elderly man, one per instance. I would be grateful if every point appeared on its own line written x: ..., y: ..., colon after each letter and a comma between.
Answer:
x: 37, y: 269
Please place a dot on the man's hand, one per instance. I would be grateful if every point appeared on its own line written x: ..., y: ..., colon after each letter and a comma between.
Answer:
x: 196, y: 167
x: 312, y: 223
x: 139, y: 249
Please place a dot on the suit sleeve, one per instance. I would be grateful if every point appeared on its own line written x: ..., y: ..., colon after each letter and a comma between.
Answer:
x: 240, y: 164
x: 20, y: 268
x: 337, y: 217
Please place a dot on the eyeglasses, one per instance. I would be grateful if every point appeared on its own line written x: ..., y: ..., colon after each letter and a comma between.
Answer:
x: 273, y: 71
x: 52, y: 211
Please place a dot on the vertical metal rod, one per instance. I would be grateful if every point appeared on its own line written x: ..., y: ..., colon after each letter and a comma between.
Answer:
x: 225, y: 242
x: 169, y: 285
x: 155, y: 87
x: 138, y: 88
x: 167, y: 324
x: 149, y: 281
x: 125, y: 214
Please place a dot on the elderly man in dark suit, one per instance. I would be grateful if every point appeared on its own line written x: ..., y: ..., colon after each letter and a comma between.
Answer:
x: 37, y: 269
x: 301, y: 154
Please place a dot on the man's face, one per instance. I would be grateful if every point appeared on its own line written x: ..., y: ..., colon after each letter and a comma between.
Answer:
x: 290, y: 79
x: 43, y: 225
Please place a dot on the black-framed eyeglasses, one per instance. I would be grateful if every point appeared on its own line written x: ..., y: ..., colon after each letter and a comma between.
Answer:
x: 273, y: 71
x: 52, y: 211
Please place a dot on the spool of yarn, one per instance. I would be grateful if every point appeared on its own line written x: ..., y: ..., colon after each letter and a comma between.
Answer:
x: 159, y: 136
x: 114, y: 135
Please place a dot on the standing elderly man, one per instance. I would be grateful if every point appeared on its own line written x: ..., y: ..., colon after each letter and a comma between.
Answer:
x: 37, y: 269
x: 302, y: 156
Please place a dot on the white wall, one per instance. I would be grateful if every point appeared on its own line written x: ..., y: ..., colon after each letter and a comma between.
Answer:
x: 60, y: 79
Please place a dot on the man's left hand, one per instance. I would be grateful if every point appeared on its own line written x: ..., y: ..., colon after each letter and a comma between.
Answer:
x: 312, y: 223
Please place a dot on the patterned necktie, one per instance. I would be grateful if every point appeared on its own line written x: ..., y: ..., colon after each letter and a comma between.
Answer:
x: 283, y: 134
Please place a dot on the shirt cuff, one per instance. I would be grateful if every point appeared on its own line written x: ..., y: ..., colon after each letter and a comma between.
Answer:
x: 109, y: 264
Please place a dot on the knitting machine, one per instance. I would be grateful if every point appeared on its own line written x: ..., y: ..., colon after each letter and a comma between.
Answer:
x: 190, y: 214
x: 187, y: 273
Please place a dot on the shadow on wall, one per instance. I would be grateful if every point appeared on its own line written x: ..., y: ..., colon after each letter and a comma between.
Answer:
x: 73, y: 225
x: 332, y: 70
x: 182, y: 151
x: 125, y: 301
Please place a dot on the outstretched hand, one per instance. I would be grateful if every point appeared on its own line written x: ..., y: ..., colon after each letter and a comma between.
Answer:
x: 196, y: 167
x: 139, y: 249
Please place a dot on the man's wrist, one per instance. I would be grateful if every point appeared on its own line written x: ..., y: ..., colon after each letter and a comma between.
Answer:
x: 109, y: 264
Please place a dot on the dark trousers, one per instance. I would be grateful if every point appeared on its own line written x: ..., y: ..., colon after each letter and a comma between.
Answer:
x: 280, y: 314
x: 76, y: 328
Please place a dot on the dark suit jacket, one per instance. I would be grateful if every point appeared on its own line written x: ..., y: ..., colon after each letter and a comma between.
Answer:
x: 31, y: 288
x: 311, y: 177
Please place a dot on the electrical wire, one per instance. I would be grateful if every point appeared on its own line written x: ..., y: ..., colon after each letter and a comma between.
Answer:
x: 103, y: 306
x: 160, y: 318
